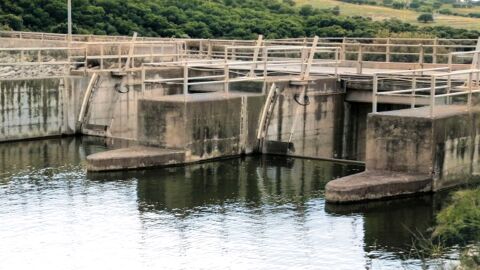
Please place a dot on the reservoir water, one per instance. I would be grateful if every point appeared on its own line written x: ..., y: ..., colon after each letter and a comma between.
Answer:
x: 259, y: 212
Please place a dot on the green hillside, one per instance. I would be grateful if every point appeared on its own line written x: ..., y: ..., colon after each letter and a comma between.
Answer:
x: 240, y: 19
x: 379, y: 12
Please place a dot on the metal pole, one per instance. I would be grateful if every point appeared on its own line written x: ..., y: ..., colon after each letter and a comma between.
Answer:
x: 414, y: 88
x: 185, y: 79
x: 434, y: 53
x: 387, y: 51
x: 227, y: 78
x: 469, y: 100
x: 69, y: 36
x: 359, y: 59
x: 433, y: 83
x: 69, y: 21
x: 374, y: 93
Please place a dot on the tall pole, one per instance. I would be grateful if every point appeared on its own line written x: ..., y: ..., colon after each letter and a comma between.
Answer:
x: 69, y: 21
x: 69, y: 36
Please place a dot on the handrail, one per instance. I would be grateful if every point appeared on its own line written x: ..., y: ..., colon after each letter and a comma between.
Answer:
x: 449, y: 89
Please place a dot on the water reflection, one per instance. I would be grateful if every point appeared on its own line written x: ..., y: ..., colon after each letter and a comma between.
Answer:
x: 253, y: 180
x: 258, y: 212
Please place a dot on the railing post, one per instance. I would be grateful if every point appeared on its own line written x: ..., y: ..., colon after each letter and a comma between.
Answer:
x: 185, y: 79
x: 387, y: 51
x: 85, y: 66
x: 414, y: 88
x: 151, y: 53
x: 255, y: 55
x: 433, y: 83
x: 311, y: 56
x: 209, y: 53
x: 469, y: 101
x: 449, y: 87
x: 227, y: 79
x: 421, y: 56
x: 119, y: 56
x: 143, y: 80
x: 336, y: 62
x: 101, y: 56
x: 131, y: 52
x: 233, y: 51
x: 450, y: 63
x: 475, y: 59
x: 477, y: 74
x: 343, y: 57
x: 434, y: 51
x: 265, y: 63
x: 374, y: 93
x: 359, y: 59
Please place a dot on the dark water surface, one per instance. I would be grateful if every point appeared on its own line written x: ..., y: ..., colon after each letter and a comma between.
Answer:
x: 252, y: 213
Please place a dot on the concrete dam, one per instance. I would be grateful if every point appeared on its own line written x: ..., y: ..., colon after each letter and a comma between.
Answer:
x: 406, y: 108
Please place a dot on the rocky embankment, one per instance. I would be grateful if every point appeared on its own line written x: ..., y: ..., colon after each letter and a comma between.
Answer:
x: 12, y: 68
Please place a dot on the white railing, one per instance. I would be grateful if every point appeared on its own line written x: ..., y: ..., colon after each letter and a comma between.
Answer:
x: 244, y: 63
x: 433, y: 84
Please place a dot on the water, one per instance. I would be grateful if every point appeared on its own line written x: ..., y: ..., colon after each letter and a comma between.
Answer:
x: 251, y: 213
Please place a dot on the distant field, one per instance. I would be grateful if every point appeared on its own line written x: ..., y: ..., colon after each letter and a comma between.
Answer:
x: 381, y: 13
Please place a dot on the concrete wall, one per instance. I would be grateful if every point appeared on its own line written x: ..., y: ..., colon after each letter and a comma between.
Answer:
x: 36, y: 108
x: 355, y: 130
x: 205, y: 125
x: 112, y: 113
x: 316, y: 130
x: 445, y: 146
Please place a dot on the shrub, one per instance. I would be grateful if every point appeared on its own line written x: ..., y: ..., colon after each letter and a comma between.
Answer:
x: 425, y: 17
x: 398, y: 5
x: 445, y: 11
x: 414, y: 4
x: 437, y: 5
x: 460, y: 221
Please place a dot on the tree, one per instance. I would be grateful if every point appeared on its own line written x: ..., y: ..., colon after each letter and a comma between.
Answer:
x: 336, y: 10
x: 398, y: 5
x: 306, y: 10
x: 414, y: 5
x: 425, y: 17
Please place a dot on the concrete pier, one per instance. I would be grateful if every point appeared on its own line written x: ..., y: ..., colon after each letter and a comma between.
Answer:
x: 133, y: 158
x: 371, y: 185
x: 409, y: 151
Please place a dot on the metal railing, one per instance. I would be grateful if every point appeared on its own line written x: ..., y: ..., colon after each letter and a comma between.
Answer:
x: 112, y: 56
x: 110, y: 53
x: 95, y: 56
x: 242, y: 64
x: 451, y: 87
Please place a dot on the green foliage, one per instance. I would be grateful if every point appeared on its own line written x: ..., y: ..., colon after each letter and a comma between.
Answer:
x: 425, y: 17
x: 460, y: 221
x: 239, y: 19
x: 398, y: 5
x: 437, y: 5
x: 445, y: 11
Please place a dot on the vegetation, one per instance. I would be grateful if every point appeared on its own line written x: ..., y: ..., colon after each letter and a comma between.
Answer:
x: 240, y: 19
x: 425, y: 17
x: 460, y: 221
x: 458, y: 17
x: 458, y: 224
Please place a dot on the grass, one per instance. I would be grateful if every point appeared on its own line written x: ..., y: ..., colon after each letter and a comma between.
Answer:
x: 381, y: 13
x: 460, y: 221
